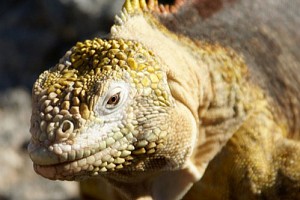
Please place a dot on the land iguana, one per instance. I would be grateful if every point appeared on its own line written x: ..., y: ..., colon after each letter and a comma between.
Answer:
x: 196, y: 100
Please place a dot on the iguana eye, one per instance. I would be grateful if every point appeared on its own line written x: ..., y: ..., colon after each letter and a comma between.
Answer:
x: 113, y: 101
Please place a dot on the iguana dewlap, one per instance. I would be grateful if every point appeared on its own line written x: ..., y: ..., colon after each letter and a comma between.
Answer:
x: 150, y: 114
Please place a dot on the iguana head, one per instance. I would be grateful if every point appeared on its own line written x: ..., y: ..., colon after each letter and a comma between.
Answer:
x: 106, y: 107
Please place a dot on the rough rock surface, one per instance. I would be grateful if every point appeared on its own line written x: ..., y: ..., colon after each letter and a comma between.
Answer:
x: 34, y: 34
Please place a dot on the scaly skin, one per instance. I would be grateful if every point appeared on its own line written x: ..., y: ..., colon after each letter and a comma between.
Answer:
x: 141, y: 115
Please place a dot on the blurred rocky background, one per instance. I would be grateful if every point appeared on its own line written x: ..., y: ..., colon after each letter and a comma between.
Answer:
x: 34, y: 34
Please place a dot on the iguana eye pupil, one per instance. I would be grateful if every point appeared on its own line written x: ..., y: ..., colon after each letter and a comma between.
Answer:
x: 114, y: 100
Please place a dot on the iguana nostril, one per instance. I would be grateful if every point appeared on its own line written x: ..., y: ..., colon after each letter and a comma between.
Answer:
x: 65, y: 130
x: 66, y: 126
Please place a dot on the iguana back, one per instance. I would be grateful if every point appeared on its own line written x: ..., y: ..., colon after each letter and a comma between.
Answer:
x: 265, y: 33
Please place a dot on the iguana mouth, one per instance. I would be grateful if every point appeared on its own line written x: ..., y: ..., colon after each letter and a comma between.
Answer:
x: 69, y: 170
x: 72, y: 165
x: 54, y: 166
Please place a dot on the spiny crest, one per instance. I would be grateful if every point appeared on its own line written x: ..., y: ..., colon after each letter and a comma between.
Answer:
x: 133, y: 6
x: 137, y: 7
